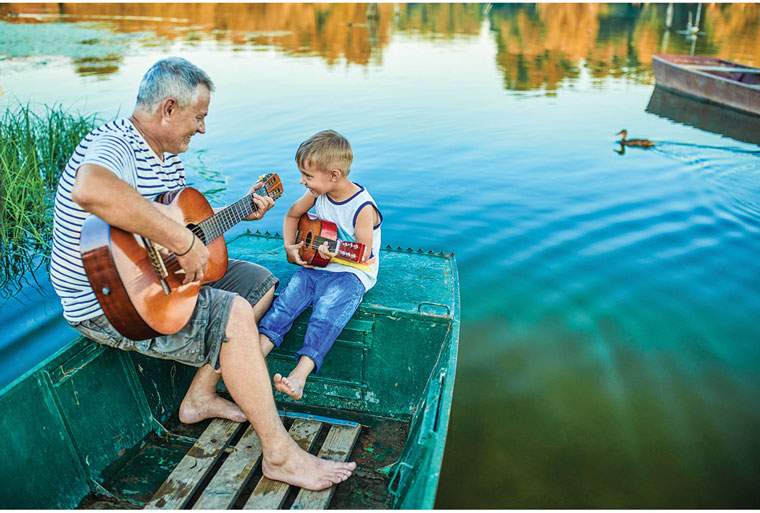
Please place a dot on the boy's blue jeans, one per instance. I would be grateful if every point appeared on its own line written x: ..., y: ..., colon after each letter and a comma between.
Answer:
x: 334, y: 298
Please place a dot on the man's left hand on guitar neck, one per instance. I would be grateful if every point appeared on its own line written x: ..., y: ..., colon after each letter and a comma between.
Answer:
x: 263, y: 203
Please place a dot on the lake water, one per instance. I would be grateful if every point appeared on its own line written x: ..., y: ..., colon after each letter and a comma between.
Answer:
x: 610, y: 347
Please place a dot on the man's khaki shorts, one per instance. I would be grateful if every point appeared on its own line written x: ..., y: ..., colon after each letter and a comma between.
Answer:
x: 200, y: 341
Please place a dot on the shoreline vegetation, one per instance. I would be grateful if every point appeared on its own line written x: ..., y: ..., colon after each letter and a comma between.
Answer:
x: 34, y: 148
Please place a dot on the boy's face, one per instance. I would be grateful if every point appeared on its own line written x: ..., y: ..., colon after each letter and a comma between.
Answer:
x: 315, y: 179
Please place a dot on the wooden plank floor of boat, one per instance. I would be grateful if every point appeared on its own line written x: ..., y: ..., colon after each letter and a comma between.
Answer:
x: 214, y: 472
x: 132, y: 480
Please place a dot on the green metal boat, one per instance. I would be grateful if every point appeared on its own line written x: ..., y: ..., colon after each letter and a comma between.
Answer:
x: 94, y: 427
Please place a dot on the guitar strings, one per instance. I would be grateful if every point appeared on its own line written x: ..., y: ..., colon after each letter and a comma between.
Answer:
x: 216, y: 225
x: 330, y: 242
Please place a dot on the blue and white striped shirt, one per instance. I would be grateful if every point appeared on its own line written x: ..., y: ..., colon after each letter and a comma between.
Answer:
x: 118, y: 147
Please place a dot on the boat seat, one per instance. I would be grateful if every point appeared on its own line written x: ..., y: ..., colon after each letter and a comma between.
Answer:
x: 215, y: 472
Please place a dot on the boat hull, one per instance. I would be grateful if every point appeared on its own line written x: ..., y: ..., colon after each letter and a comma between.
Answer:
x: 740, y: 126
x: 734, y: 88
x: 97, y: 419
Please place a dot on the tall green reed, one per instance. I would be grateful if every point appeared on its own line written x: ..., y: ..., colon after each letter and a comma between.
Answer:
x: 34, y: 149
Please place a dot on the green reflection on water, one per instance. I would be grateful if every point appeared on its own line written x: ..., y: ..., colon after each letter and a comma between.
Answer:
x: 556, y: 414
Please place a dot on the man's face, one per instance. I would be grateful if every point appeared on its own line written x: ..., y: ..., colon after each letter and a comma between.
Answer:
x: 186, y: 122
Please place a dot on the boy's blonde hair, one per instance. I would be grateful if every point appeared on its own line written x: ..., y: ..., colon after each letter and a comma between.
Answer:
x: 327, y: 150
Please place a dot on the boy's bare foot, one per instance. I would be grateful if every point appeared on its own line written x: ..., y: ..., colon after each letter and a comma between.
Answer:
x: 195, y: 409
x: 290, y: 385
x: 299, y: 468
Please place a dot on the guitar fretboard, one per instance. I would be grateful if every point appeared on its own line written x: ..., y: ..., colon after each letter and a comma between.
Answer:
x: 319, y: 240
x: 213, y: 227
x: 348, y: 250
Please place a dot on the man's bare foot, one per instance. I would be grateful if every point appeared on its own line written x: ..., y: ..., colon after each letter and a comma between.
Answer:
x: 304, y: 470
x: 196, y: 409
x: 290, y: 385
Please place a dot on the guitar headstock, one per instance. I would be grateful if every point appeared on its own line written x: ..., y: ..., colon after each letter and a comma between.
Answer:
x: 272, y: 185
x: 349, y: 250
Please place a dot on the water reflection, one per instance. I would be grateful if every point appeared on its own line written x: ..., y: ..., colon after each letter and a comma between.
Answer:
x: 705, y: 116
x: 539, y: 46
x: 333, y: 31
x: 607, y: 356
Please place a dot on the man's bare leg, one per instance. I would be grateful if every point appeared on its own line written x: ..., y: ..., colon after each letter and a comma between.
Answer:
x: 259, y: 310
x: 293, y: 385
x: 201, y: 400
x: 265, y: 344
x: 245, y: 373
x: 263, y: 305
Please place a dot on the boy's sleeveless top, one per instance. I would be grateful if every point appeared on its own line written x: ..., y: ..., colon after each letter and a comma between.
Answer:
x: 344, y: 214
x: 119, y: 147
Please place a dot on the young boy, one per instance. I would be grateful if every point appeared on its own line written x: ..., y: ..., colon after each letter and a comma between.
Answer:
x: 336, y: 290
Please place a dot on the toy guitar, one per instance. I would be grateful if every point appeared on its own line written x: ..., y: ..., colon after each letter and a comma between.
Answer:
x: 140, y: 288
x: 314, y: 232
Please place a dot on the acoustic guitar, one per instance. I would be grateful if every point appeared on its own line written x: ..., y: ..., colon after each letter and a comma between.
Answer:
x: 139, y: 287
x: 314, y: 232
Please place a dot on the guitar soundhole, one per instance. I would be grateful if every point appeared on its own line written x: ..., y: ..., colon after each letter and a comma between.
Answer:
x: 307, y: 241
x: 198, y: 233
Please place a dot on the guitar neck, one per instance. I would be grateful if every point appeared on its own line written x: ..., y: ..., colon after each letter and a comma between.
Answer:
x: 213, y: 227
x: 347, y: 250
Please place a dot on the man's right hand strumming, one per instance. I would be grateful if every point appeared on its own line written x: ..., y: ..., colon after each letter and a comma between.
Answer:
x: 193, y: 259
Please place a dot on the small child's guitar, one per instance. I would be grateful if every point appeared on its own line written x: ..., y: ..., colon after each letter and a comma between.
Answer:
x: 314, y: 232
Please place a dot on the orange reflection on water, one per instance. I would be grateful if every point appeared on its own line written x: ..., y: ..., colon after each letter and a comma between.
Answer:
x: 334, y: 31
x: 538, y: 45
x: 541, y: 44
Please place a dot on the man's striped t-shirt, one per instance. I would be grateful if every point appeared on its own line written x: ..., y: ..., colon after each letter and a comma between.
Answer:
x: 119, y: 147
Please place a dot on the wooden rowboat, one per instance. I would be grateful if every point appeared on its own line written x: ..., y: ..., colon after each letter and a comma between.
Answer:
x: 93, y: 427
x: 710, y: 79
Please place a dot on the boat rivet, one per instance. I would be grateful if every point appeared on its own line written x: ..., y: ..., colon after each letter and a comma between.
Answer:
x: 106, y: 291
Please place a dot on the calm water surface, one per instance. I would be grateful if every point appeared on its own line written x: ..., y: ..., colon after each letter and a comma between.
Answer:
x: 610, y: 347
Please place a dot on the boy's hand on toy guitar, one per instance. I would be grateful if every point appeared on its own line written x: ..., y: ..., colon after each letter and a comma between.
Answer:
x: 291, y: 251
x: 324, y: 251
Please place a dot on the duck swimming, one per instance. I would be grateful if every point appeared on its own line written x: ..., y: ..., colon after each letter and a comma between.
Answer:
x: 644, y: 143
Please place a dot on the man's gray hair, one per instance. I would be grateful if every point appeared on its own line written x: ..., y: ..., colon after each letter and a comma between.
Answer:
x: 173, y: 77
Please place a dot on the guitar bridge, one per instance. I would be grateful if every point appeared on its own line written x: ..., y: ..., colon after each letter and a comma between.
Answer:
x: 158, y: 265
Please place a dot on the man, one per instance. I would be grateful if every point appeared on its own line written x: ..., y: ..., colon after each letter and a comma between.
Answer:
x: 114, y: 174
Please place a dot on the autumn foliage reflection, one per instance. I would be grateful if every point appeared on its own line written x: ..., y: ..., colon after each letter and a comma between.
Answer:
x: 334, y: 31
x: 538, y: 46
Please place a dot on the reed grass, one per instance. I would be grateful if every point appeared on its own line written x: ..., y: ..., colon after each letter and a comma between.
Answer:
x: 34, y: 149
